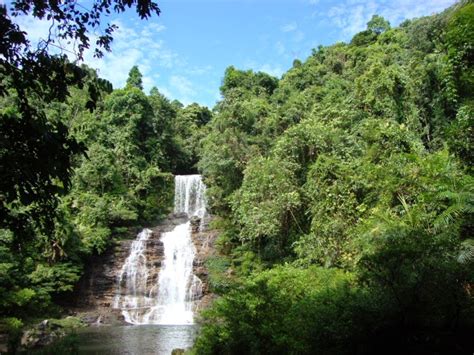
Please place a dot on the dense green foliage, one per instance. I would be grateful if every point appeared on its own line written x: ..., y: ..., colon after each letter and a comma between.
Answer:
x: 349, y: 182
x: 40, y: 246
x: 36, y: 151
x: 133, y: 145
x: 344, y: 189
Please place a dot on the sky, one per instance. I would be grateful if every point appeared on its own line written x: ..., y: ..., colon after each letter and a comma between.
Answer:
x: 185, y: 51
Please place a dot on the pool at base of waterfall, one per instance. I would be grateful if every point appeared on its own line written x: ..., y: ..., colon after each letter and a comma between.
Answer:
x: 134, y: 339
x: 150, y: 302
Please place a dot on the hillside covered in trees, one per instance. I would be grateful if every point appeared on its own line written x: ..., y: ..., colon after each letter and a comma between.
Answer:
x: 346, y: 196
x: 133, y: 144
x: 343, y: 191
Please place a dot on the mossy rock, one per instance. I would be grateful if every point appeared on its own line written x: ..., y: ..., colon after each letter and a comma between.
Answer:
x: 67, y: 323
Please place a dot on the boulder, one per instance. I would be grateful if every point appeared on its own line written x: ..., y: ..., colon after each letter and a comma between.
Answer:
x: 40, y: 336
x: 195, y: 222
x: 4, y: 340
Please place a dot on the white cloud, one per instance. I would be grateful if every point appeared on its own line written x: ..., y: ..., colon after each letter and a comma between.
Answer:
x: 36, y: 29
x: 182, y: 84
x: 165, y: 92
x: 198, y: 70
x: 275, y: 70
x: 38, y: 32
x: 404, y: 9
x: 115, y: 67
x: 272, y: 69
x: 352, y: 16
x: 298, y: 37
x: 152, y: 29
x: 148, y: 83
x: 217, y: 96
x: 336, y: 11
x: 183, y: 87
x: 131, y: 46
x: 280, y: 48
x: 289, y: 27
x: 135, y: 46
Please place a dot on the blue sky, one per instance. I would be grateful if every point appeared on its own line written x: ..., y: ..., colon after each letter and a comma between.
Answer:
x: 184, y: 51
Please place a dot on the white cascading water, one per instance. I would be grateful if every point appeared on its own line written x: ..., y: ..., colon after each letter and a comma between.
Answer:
x: 132, y: 283
x: 170, y: 299
x: 189, y: 196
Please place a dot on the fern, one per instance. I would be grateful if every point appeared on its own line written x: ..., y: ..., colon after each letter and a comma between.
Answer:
x: 466, y: 254
x: 461, y: 203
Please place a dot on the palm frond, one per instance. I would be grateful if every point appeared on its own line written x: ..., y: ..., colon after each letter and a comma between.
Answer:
x: 467, y: 251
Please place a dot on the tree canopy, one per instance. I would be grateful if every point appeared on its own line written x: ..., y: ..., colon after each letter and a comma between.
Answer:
x: 345, y: 193
x: 37, y: 152
x: 135, y: 78
x: 378, y: 24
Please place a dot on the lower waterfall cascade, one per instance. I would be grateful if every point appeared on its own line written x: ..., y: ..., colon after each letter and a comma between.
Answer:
x: 170, y: 297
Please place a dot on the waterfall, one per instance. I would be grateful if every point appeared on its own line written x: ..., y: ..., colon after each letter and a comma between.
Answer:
x: 170, y: 297
x: 132, y: 281
x: 189, y: 195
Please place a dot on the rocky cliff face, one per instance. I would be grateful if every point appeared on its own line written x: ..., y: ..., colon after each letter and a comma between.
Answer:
x: 204, y: 243
x: 95, y: 293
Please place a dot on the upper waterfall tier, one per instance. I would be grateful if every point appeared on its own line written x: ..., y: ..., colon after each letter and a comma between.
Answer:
x: 190, y: 195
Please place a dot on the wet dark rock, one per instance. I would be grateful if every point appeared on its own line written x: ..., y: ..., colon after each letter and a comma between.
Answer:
x: 95, y: 294
x: 90, y: 318
x: 201, y: 272
x: 47, y: 332
x: 179, y: 215
x: 195, y: 222
x: 34, y: 338
x: 44, y: 324
x: 197, y: 262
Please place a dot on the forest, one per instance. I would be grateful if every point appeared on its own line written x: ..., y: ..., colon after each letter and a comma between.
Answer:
x: 343, y: 192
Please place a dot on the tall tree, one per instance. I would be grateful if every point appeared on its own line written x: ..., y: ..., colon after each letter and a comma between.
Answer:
x: 135, y: 78
x: 36, y: 152
x: 378, y: 24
